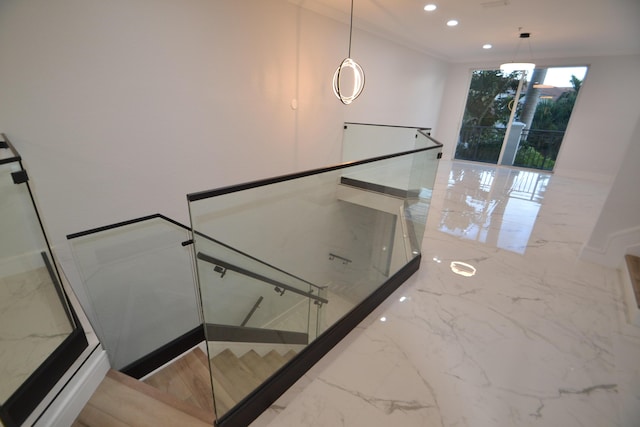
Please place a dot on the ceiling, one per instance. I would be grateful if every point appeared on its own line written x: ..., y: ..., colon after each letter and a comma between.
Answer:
x: 559, y: 28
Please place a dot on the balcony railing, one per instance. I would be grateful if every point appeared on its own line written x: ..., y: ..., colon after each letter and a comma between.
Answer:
x: 480, y: 143
x: 536, y: 148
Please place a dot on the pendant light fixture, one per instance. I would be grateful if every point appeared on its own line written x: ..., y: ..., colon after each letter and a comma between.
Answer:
x: 510, y: 67
x: 348, y: 89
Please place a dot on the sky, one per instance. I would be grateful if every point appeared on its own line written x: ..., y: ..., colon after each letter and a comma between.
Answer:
x: 561, y: 76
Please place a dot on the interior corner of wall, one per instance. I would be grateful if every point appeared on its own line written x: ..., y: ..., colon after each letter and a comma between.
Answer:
x: 616, y: 246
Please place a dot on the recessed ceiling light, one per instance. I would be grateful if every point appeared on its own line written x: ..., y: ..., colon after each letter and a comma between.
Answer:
x: 452, y: 23
x: 487, y: 46
x: 430, y: 7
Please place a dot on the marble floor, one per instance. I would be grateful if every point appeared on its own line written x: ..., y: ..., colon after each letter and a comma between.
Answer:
x: 503, y: 325
x: 33, y: 323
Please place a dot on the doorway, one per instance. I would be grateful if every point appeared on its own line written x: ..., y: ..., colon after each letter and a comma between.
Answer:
x: 518, y: 118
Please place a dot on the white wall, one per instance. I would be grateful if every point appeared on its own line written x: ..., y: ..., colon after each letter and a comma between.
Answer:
x: 617, y: 230
x: 602, y: 123
x: 120, y: 108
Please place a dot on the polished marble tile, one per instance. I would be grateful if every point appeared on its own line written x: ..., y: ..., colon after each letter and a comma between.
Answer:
x: 535, y: 337
x: 33, y: 323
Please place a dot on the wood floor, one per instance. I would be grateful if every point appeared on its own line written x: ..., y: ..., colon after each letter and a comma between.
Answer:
x: 180, y: 394
x: 633, y: 266
x: 122, y: 401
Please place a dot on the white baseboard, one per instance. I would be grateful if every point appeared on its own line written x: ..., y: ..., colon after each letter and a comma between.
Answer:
x: 616, y: 246
x: 75, y: 395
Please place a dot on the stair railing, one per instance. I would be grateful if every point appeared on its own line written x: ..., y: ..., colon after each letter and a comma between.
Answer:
x: 222, y: 266
x: 253, y: 310
x: 251, y: 257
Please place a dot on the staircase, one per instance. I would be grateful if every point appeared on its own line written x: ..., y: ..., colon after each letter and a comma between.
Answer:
x: 235, y: 377
x: 631, y: 285
x: 180, y: 393
x: 122, y: 401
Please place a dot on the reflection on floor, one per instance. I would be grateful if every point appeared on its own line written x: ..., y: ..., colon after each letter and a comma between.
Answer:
x: 536, y: 337
x: 32, y: 324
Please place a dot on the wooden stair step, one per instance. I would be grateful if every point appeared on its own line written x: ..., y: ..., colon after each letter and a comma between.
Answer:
x: 237, y: 373
x: 257, y: 364
x: 91, y: 416
x: 124, y: 401
x: 289, y: 355
x: 274, y: 359
x: 223, y: 401
x: 223, y: 386
x: 187, y: 379
x: 633, y: 266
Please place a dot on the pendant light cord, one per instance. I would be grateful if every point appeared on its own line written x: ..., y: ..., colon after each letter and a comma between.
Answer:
x: 350, y: 30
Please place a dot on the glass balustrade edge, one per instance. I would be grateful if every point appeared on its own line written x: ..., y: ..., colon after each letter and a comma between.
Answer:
x: 418, y: 128
x: 6, y: 144
x: 206, y: 194
x: 159, y: 357
x: 124, y: 223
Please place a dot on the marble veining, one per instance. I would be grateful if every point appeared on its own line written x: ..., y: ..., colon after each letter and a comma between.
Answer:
x: 536, y: 337
x: 32, y: 324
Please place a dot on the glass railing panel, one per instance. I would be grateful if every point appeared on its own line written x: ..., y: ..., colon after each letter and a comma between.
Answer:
x: 35, y: 318
x: 318, y: 314
x: 257, y: 317
x: 421, y: 180
x: 333, y: 236
x: 140, y: 283
x: 365, y: 141
x: 246, y: 265
x: 265, y: 291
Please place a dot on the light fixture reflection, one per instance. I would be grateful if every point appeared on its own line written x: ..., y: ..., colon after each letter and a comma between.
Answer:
x: 542, y: 86
x: 402, y: 299
x: 462, y: 268
x: 341, y: 78
x: 383, y: 319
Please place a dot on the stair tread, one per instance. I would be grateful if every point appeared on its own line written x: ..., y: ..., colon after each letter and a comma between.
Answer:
x: 124, y: 401
x: 274, y: 359
x: 289, y: 355
x: 633, y: 267
x: 257, y: 364
x: 187, y: 379
x: 238, y: 373
x: 92, y: 416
